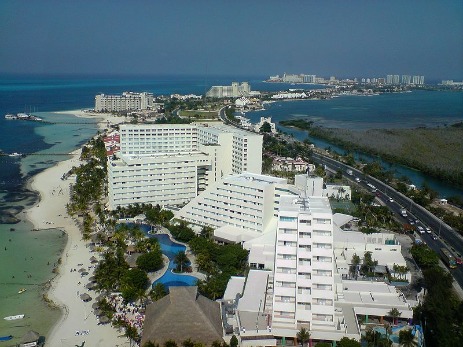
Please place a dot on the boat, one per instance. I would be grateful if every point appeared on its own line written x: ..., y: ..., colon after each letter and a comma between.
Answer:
x: 15, y: 154
x: 18, y: 316
x: 10, y: 116
x: 25, y: 116
x: 6, y: 338
x: 22, y: 290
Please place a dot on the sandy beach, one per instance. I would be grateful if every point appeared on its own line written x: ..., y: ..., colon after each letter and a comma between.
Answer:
x: 78, y: 322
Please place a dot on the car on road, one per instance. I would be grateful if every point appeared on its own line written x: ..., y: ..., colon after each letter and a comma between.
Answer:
x: 428, y: 230
x: 357, y: 179
x: 391, y: 200
x: 434, y: 236
x: 420, y: 229
x: 458, y: 258
x: 411, y: 221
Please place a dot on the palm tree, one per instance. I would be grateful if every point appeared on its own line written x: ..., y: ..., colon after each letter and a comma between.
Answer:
x: 181, y: 260
x: 131, y: 333
x: 406, y: 338
x: 159, y: 291
x: 394, y: 313
x: 355, y: 262
x: 303, y: 336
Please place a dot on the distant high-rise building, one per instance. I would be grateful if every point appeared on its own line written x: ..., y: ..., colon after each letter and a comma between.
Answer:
x: 418, y: 80
x: 309, y: 78
x: 406, y: 79
x: 389, y: 79
x: 236, y: 90
x: 396, y: 79
x: 128, y: 101
x: 289, y: 78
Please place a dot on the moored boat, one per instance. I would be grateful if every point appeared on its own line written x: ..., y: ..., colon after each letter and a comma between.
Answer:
x: 22, y: 290
x: 15, y: 154
x: 10, y: 116
x: 18, y: 316
x: 6, y: 338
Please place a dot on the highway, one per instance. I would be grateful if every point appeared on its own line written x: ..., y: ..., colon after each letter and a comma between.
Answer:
x: 440, y: 235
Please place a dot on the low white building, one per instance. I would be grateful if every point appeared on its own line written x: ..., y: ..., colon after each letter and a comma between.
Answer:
x: 263, y: 120
x: 239, y: 207
x: 291, y: 164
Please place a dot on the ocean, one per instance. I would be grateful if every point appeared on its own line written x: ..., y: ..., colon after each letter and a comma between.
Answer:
x: 27, y: 257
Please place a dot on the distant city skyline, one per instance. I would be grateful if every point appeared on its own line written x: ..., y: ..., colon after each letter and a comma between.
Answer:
x: 240, y: 38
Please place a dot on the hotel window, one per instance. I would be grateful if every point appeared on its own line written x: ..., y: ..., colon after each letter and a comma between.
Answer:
x: 322, y: 220
x: 286, y: 219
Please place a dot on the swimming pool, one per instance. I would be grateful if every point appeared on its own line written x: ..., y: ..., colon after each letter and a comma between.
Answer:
x: 170, y: 249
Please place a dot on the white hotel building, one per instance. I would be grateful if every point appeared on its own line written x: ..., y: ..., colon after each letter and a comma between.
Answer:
x: 239, y: 207
x: 128, y: 101
x: 169, y: 164
x: 303, y: 274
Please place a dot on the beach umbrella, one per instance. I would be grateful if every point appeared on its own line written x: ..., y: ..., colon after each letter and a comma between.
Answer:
x: 91, y: 285
x: 95, y: 305
x: 85, y: 297
x: 82, y: 269
x: 84, y: 273
x: 104, y: 320
x: 100, y: 297
x: 93, y: 260
x: 31, y: 336
x: 98, y: 312
x: 92, y: 279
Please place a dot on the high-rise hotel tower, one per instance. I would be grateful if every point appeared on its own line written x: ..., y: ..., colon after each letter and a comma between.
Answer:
x: 303, y: 274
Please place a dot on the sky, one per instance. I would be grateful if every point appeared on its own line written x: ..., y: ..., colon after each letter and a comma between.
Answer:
x: 234, y: 38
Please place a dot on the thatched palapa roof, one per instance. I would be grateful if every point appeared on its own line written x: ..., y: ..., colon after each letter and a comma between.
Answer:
x: 181, y: 315
x: 31, y: 336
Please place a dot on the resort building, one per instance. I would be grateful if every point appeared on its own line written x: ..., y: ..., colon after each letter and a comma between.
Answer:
x: 300, y: 277
x: 239, y: 207
x: 169, y: 164
x: 236, y: 90
x: 128, y: 101
x: 304, y: 265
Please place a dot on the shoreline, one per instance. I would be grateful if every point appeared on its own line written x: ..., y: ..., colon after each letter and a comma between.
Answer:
x: 65, y: 288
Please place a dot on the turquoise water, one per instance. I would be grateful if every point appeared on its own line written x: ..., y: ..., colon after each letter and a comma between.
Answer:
x: 27, y: 257
x: 170, y: 249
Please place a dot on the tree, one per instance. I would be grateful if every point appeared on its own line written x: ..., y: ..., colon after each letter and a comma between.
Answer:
x: 131, y: 333
x: 368, y: 264
x: 159, y: 291
x: 150, y: 344
x: 265, y: 128
x: 394, y: 313
x: 151, y: 261
x: 234, y: 341
x: 346, y: 342
x: 371, y: 337
x: 424, y: 256
x: 134, y: 284
x: 170, y: 343
x: 303, y: 336
x: 181, y: 261
x: 406, y: 338
x: 354, y: 265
